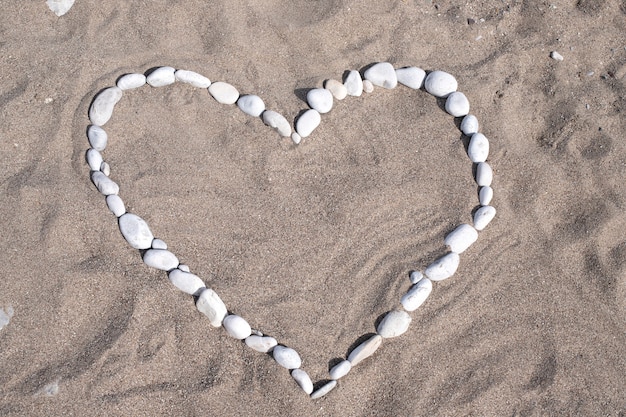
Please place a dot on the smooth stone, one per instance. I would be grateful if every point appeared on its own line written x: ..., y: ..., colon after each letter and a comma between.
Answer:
x: 303, y: 379
x: 478, y: 148
x: 184, y: 267
x: 136, y: 231
x: 461, y: 238
x: 212, y: 306
x: 484, y: 174
x: 296, y: 138
x: 556, y: 56
x: 251, y: 105
x: 192, y: 78
x: 94, y: 159
x: 469, y: 125
x: 337, y: 89
x: 340, y: 370
x: 307, y: 123
x: 186, y: 281
x: 324, y: 389
x: 415, y: 276
x: 320, y: 99
x: 236, y: 326
x: 382, y: 75
x: 101, y: 109
x: 365, y: 349
x: 97, y: 137
x: 158, y: 244
x: 440, y: 84
x: 457, y: 104
x: 161, y: 77
x: 116, y: 205
x: 224, y: 93
x: 368, y: 87
x: 484, y: 216
x: 59, y: 8
x: 485, y: 195
x: 394, y: 324
x: 353, y: 83
x: 417, y: 294
x: 443, y: 267
x: 261, y: 344
x: 278, y: 122
x: 130, y: 81
x: 160, y: 259
x: 105, y: 168
x: 412, y: 77
x: 286, y: 357
x: 104, y: 184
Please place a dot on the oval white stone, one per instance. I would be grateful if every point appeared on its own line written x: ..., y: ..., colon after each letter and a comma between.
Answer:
x: 94, y: 159
x: 184, y: 267
x: 461, y: 238
x: 443, y: 267
x: 192, y: 78
x: 368, y: 87
x: 440, y: 84
x: 160, y: 259
x: 484, y: 174
x: 484, y: 216
x: 261, y: 344
x: 136, y: 231
x: 186, y: 282
x: 340, y: 370
x: 324, y: 389
x: 101, y: 109
x: 212, y: 306
x: 286, y: 357
x: 105, y: 168
x: 236, y: 326
x: 161, y: 77
x: 296, y: 138
x: 365, y: 349
x: 469, y: 125
x: 382, y: 74
x: 412, y: 77
x: 130, y: 81
x: 116, y: 205
x: 278, y: 122
x: 320, y: 99
x: 337, y: 89
x: 224, y: 93
x: 485, y: 195
x: 478, y: 148
x: 251, y: 105
x: 394, y: 324
x: 457, y: 104
x: 97, y: 137
x: 354, y: 83
x: 158, y: 244
x: 417, y: 294
x: 303, y: 379
x: 307, y: 122
x: 104, y: 184
x: 415, y: 276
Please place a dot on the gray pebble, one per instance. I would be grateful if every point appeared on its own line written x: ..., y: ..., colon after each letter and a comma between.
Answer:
x: 340, y: 370
x: 94, y: 159
x: 104, y: 184
x: 286, y: 357
x: 303, y: 379
x: 365, y: 349
x: 116, y: 205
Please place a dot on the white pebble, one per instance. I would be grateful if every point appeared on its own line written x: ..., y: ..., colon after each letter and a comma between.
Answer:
x: 469, y: 125
x: 307, y: 122
x: 365, y: 349
x: 320, y: 99
x: 184, y: 267
x: 251, y: 105
x: 161, y: 259
x: 59, y: 7
x: 368, y: 87
x: 340, y: 370
x: 415, y: 276
x: 412, y: 77
x: 97, y: 137
x: 236, y: 326
x: 382, y: 74
x: 354, y: 83
x: 485, y: 195
x: 186, y: 282
x: 278, y: 122
x: 5, y: 317
x: 296, y: 138
x: 461, y: 238
x: 116, y: 205
x: 261, y: 344
x: 484, y: 216
x: 224, y: 93
x: 130, y: 81
x: 337, y: 89
x: 212, y: 306
x: 101, y: 109
x: 303, y: 379
x: 161, y: 77
x: 104, y: 184
x: 443, y: 267
x: 440, y: 84
x: 105, y: 168
x: 457, y: 104
x: 158, y: 244
x: 478, y: 148
x: 484, y: 174
x: 136, y: 231
x: 556, y: 56
x: 94, y: 159
x: 394, y: 324
x: 286, y: 357
x: 324, y: 389
x: 192, y: 78
x: 417, y: 294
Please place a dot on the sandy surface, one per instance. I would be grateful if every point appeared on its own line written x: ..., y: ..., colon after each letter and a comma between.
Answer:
x: 312, y: 244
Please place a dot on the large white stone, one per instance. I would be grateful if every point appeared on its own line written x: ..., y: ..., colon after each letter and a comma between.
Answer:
x: 102, y: 107
x: 478, y: 148
x: 394, y: 324
x: 324, y: 389
x: 136, y: 231
x: 469, y: 125
x: 461, y: 238
x: 186, y: 282
x: 94, y: 159
x: 443, y: 267
x: 337, y: 89
x: 104, y: 184
x: 485, y: 195
x: 116, y: 205
x: 365, y: 349
x: 457, y: 104
x: 286, y: 357
x: 251, y: 105
x: 382, y: 74
x: 237, y: 326
x: 320, y: 99
x: 340, y: 370
x: 224, y: 93
x: 354, y: 83
x: 261, y: 344
x: 440, y: 84
x: 303, y: 379
x: 97, y: 137
x: 484, y: 216
x: 161, y: 259
x: 192, y: 78
x: 307, y: 122
x: 161, y: 77
x: 412, y: 77
x: 278, y: 122
x: 417, y: 294
x: 131, y: 81
x: 484, y: 174
x: 212, y: 306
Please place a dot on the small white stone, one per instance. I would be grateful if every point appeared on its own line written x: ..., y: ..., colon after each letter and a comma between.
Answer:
x: 130, y: 81
x: 337, y: 89
x: 286, y: 357
x: 320, y: 99
x: 158, y: 244
x: 161, y: 259
x: 354, y: 83
x: 485, y: 195
x: 365, y: 349
x: 417, y: 294
x: 324, y: 389
x: 94, y: 159
x: 5, y: 316
x: 161, y: 77
x: 261, y: 344
x: 102, y: 107
x: 224, y: 93
x: 192, y: 78
x: 136, y: 231
x: 105, y: 168
x: 236, y: 326
x: 251, y: 105
x: 212, y: 306
x: 382, y: 74
x: 469, y: 125
x: 461, y: 238
x: 478, y: 148
x: 368, y: 87
x: 484, y: 216
x: 303, y: 379
x: 186, y: 282
x: 296, y: 138
x: 340, y: 370
x: 556, y: 56
x: 60, y: 7
x: 415, y: 276
x: 116, y: 205
x: 443, y: 267
x: 278, y: 122
x: 484, y: 174
x: 457, y: 104
x: 184, y: 267
x: 394, y: 324
x: 307, y: 122
x: 104, y: 184
x: 440, y: 84
x: 97, y: 137
x: 412, y: 77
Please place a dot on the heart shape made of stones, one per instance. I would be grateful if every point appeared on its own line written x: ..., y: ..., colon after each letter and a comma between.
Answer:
x: 155, y: 252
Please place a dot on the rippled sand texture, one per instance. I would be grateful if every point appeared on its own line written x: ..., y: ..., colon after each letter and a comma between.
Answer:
x: 312, y: 244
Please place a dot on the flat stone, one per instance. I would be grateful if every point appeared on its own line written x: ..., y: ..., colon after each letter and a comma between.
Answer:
x: 131, y: 81
x: 337, y: 89
x: 224, y: 93
x: 457, y: 104
x: 417, y: 294
x: 484, y: 216
x: 324, y: 389
x: 394, y: 324
x: 136, y: 231
x: 303, y: 379
x: 236, y: 326
x: 278, y: 122
x: 478, y: 148
x: 192, y: 78
x: 102, y: 107
x: 104, y: 184
x: 94, y: 159
x: 212, y: 306
x: 261, y: 344
x: 161, y: 77
x: 440, y: 84
x: 412, y: 77
x: 320, y: 99
x: 251, y: 105
x: 443, y: 267
x: 382, y: 75
x: 365, y: 349
x: 484, y: 174
x: 116, y: 205
x: 415, y: 276
x: 461, y: 238
x: 485, y: 195
x: 97, y: 137
x: 340, y: 370
x: 286, y: 357
x: 469, y: 125
x: 353, y: 83
x: 158, y: 244
x: 160, y: 259
x: 307, y: 122
x: 186, y: 281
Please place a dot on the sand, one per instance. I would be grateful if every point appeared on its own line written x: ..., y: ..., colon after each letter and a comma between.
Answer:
x: 312, y: 244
